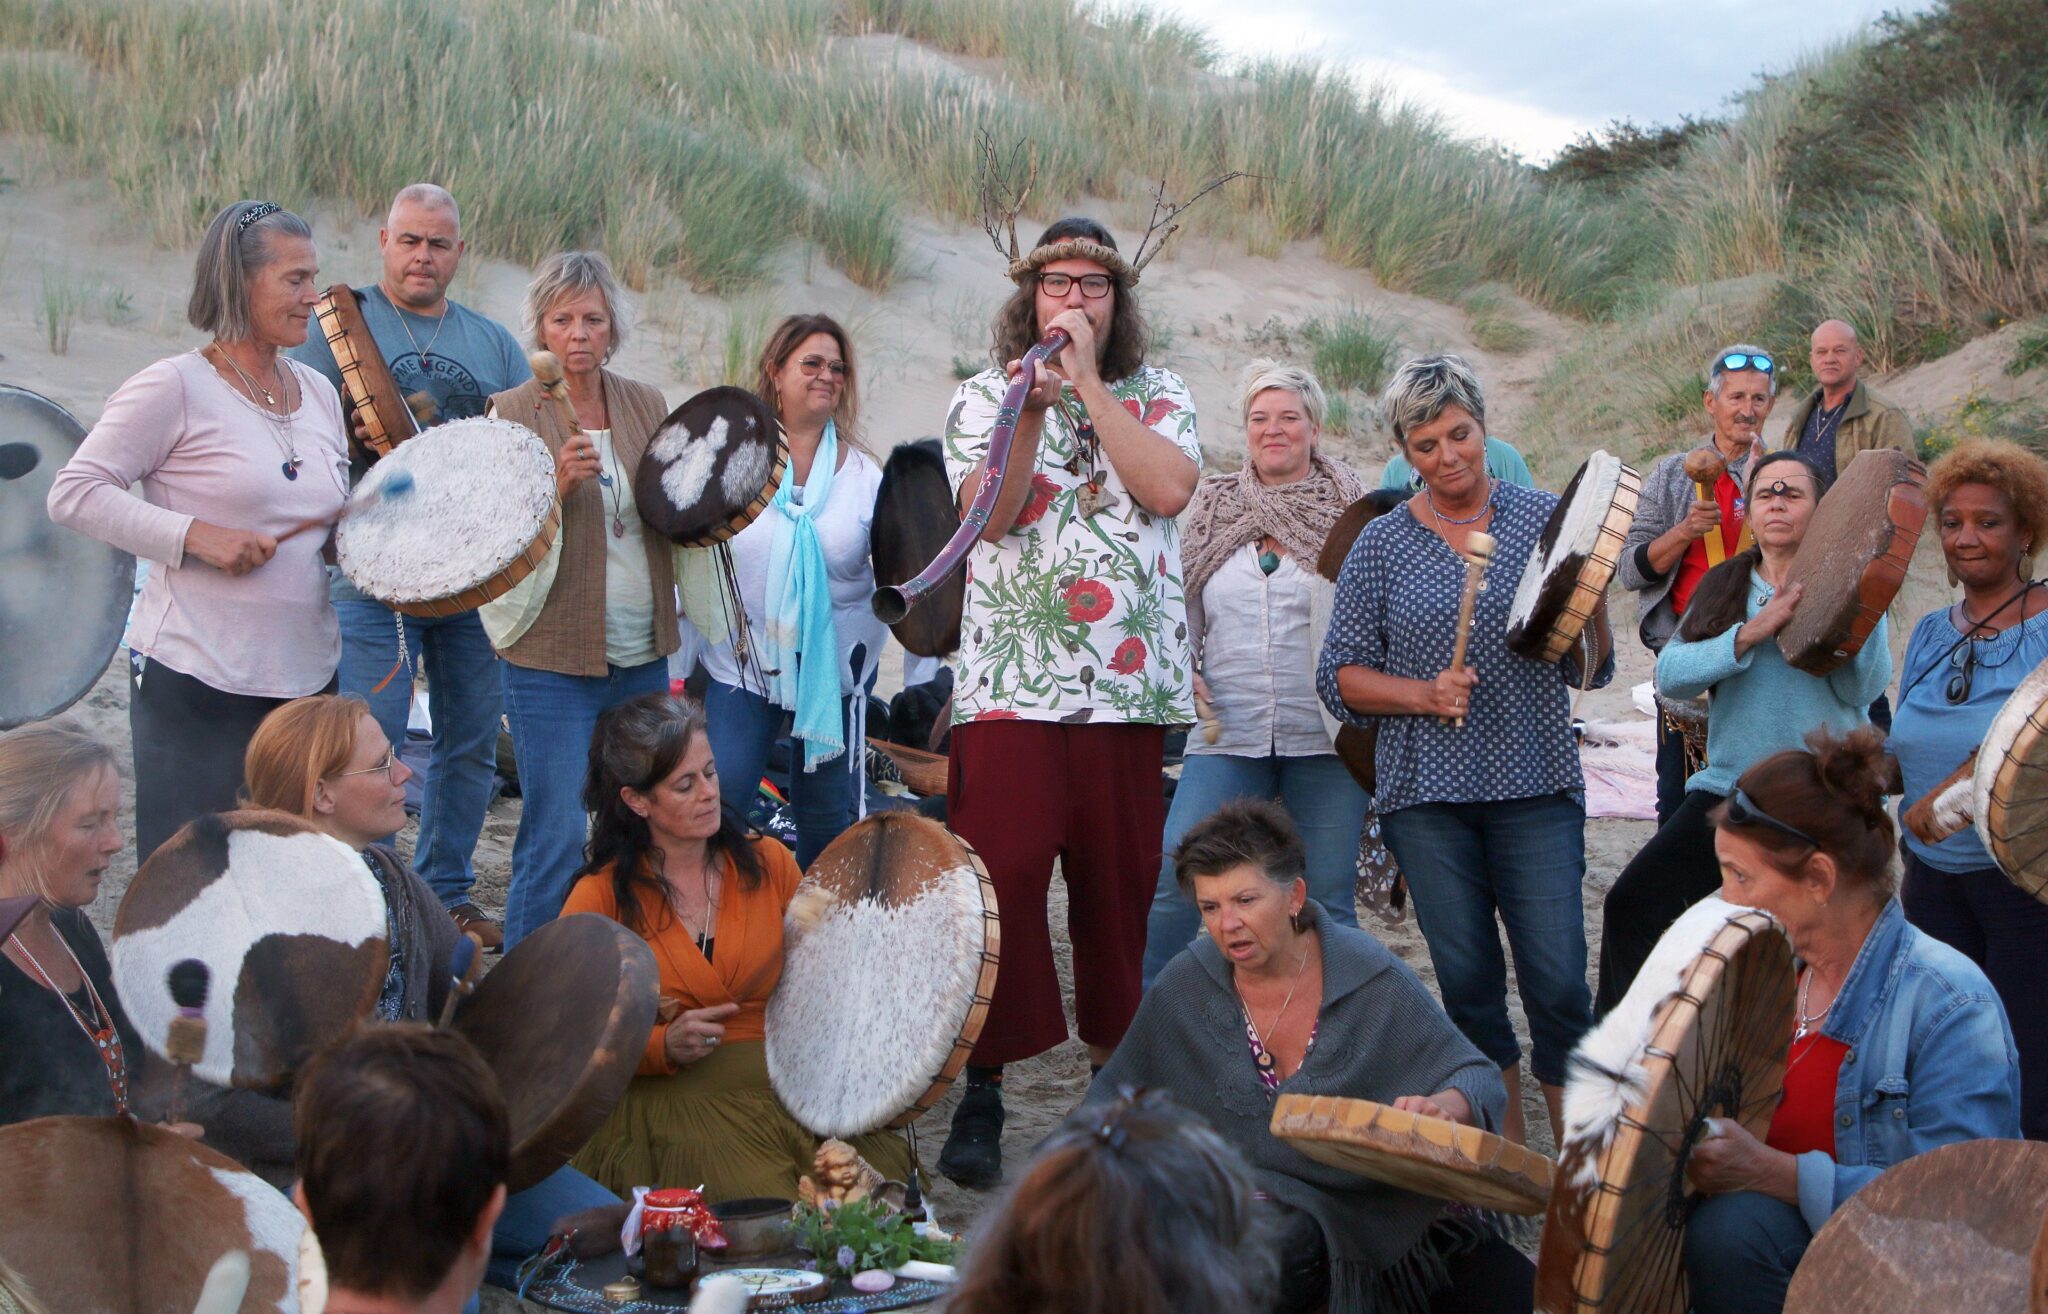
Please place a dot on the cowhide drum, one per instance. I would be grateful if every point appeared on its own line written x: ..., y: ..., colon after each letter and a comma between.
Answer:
x: 114, y: 1216
x: 289, y: 922
x: 1853, y: 559
x: 914, y: 516
x: 63, y: 596
x: 563, y: 1021
x: 713, y: 466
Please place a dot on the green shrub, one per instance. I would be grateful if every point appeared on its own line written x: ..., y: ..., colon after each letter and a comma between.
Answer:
x: 1350, y: 350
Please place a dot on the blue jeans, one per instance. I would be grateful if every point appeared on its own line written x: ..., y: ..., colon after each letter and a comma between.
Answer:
x: 1328, y: 808
x: 744, y: 727
x: 1524, y: 858
x: 1740, y: 1251
x: 530, y: 1217
x: 553, y: 717
x: 463, y: 700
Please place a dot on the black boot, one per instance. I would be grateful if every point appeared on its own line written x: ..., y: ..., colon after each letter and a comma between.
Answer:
x: 973, y: 1155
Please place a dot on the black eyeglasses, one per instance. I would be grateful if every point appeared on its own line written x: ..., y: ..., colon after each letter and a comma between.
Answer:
x: 1743, y: 811
x: 1965, y: 662
x: 1093, y: 286
x: 1745, y: 360
x: 810, y: 365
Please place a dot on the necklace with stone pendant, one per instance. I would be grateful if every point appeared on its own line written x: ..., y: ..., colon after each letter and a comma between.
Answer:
x: 612, y: 495
x: 277, y: 421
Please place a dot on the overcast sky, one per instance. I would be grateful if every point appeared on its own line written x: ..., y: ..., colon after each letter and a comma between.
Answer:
x: 1535, y: 75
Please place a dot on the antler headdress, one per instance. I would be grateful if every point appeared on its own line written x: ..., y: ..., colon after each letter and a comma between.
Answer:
x: 1005, y: 186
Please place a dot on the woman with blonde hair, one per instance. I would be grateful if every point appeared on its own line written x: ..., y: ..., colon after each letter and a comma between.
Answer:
x: 805, y: 572
x: 595, y: 624
x: 65, y: 1044
x: 326, y: 761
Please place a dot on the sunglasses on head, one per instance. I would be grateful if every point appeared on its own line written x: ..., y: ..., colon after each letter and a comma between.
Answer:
x: 1743, y: 811
x: 1745, y: 360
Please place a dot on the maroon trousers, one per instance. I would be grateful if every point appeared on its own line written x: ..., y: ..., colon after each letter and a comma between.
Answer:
x: 1025, y: 793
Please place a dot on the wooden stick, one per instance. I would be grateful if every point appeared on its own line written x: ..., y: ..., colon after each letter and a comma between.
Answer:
x: 547, y: 372
x: 1478, y: 554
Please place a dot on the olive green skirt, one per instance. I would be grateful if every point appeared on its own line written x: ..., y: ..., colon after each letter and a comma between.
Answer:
x: 717, y: 1123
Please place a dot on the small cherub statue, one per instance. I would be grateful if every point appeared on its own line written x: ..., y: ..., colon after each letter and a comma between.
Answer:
x: 842, y: 1176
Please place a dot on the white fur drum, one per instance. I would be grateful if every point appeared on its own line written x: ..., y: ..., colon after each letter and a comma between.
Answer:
x: 2010, y: 788
x: 479, y: 517
x: 891, y: 947
x: 288, y: 922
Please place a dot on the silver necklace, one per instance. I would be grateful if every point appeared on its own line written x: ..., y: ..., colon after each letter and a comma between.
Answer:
x: 612, y: 492
x: 1807, y: 1022
x: 1442, y: 519
x: 280, y: 419
x: 1300, y: 963
x: 439, y: 324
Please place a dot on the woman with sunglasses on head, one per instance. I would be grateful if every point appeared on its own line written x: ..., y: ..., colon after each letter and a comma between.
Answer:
x: 1990, y: 504
x: 805, y: 576
x: 1726, y: 646
x: 1900, y: 1044
x: 326, y: 761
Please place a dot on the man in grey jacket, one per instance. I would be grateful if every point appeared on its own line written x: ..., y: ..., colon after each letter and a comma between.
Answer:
x: 1843, y: 415
x: 1682, y: 530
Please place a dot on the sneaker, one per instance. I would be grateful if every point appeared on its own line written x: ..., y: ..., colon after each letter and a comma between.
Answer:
x: 973, y: 1156
x: 470, y: 919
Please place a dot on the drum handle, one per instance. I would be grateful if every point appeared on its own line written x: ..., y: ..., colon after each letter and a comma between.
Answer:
x: 547, y: 372
x: 1478, y: 553
x: 892, y: 602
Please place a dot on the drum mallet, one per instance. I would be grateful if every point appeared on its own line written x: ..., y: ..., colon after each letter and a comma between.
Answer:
x: 399, y: 485
x: 17, y: 459
x: 1212, y: 725
x: 1478, y: 554
x: 547, y: 372
x: 1705, y: 468
x: 190, y: 980
x: 464, y: 966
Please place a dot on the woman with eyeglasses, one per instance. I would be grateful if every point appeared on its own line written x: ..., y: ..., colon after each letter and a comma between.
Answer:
x: 1726, y: 647
x: 326, y: 761
x: 1990, y: 504
x: 1900, y: 1045
x: 805, y: 575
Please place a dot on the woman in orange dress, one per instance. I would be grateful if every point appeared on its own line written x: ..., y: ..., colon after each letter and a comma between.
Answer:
x: 708, y: 895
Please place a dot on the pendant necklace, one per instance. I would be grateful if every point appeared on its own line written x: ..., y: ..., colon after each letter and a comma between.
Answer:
x: 439, y: 324
x: 1266, y: 1061
x: 105, y: 1039
x: 280, y: 420
x: 1807, y: 1023
x: 613, y: 495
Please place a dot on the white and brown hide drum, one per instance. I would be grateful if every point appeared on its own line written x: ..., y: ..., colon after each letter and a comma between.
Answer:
x: 2010, y: 787
x: 914, y: 516
x: 114, y: 1216
x: 712, y: 467
x: 289, y: 922
x: 563, y: 1021
x: 1429, y: 1156
x: 1947, y: 1231
x: 890, y: 955
x: 1854, y: 558
x: 480, y: 517
x: 366, y: 380
x: 1703, y: 1032
x: 1568, y: 570
x: 63, y: 596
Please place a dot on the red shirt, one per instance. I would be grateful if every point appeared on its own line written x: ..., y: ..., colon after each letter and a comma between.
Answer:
x: 1805, y: 1119
x: 1694, y: 564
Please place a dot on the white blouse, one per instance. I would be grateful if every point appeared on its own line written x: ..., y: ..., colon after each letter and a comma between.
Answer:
x: 1259, y: 660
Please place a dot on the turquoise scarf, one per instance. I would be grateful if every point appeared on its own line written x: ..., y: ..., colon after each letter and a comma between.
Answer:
x: 799, y: 642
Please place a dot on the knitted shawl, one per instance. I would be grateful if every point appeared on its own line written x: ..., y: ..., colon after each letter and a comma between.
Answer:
x: 1232, y: 509
x: 1380, y: 1035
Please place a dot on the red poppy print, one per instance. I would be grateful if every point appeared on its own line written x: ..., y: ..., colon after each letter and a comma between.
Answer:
x: 997, y: 714
x: 1043, y: 491
x: 1088, y: 600
x: 1153, y: 414
x: 1128, y: 657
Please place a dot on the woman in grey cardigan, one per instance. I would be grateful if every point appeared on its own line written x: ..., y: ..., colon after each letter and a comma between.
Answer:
x: 1278, y: 997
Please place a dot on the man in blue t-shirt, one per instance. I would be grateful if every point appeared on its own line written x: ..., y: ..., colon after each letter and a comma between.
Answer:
x: 458, y: 358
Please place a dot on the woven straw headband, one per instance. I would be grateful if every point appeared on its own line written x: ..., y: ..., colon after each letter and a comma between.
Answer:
x: 1074, y: 248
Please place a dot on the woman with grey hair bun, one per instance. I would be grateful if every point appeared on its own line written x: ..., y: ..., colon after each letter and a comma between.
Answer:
x: 1480, y: 794
x: 231, y: 445
x: 592, y: 626
x: 1256, y: 611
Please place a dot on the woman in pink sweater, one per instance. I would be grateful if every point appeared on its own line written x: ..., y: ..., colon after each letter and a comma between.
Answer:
x: 229, y: 445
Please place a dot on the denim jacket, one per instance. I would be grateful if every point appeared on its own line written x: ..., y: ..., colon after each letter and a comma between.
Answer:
x: 1930, y: 1062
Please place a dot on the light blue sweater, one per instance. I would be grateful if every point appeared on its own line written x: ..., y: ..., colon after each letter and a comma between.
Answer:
x: 1761, y: 705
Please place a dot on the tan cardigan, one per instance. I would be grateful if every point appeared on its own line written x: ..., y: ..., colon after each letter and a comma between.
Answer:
x: 568, y: 636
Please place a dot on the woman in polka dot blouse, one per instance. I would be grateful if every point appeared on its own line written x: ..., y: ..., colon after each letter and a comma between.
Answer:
x: 1488, y: 816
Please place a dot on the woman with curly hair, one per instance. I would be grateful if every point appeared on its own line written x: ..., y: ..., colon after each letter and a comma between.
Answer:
x: 1990, y: 504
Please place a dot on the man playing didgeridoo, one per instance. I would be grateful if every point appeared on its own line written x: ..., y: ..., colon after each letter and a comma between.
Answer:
x: 1073, y: 658
x: 459, y: 358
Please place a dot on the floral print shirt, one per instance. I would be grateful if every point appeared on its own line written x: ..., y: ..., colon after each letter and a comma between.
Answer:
x: 1073, y: 617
